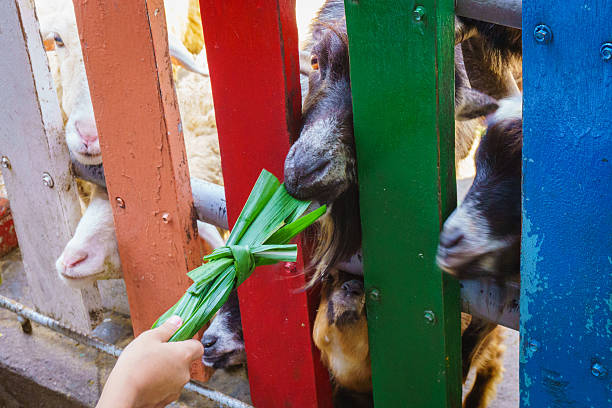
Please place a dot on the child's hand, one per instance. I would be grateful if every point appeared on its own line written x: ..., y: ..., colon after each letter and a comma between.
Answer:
x: 151, y: 372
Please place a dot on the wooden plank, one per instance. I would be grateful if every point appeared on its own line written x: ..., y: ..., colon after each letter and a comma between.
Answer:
x: 404, y: 133
x: 143, y: 149
x: 252, y: 51
x: 566, y: 281
x: 32, y: 138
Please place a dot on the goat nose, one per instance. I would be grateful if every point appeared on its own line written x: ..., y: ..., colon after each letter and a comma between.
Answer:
x: 208, y: 341
x: 312, y: 166
x: 353, y: 287
x: 87, y: 131
x: 451, y: 237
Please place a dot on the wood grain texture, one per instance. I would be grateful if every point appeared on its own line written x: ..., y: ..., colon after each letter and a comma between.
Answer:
x: 32, y: 137
x: 402, y: 85
x: 252, y: 51
x: 125, y: 51
x: 566, y: 278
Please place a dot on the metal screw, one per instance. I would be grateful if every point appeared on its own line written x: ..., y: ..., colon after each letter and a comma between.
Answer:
x: 6, y: 163
x: 542, y: 34
x: 430, y: 316
x: 47, y: 180
x: 606, y: 51
x: 120, y: 202
x: 419, y: 13
x: 534, y: 345
x: 290, y: 267
x: 598, y: 370
x: 374, y: 295
x: 165, y: 217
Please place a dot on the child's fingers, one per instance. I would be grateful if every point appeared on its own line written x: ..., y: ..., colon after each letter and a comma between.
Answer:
x: 193, y: 348
x: 167, y: 329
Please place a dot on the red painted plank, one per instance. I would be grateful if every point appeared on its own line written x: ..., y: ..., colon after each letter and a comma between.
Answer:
x: 252, y: 50
x: 8, y: 237
x: 130, y: 78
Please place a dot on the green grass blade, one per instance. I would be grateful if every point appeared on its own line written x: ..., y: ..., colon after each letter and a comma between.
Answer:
x: 273, y: 216
x: 211, y: 302
x: 264, y: 188
x: 209, y: 270
x: 287, y: 232
x: 271, y: 254
x: 270, y: 216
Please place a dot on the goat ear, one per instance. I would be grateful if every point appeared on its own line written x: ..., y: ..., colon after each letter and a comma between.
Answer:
x: 472, y: 104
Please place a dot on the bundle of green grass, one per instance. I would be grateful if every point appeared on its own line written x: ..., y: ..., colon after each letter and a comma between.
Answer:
x: 269, y: 220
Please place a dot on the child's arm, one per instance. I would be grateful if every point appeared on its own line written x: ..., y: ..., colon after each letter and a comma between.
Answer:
x: 151, y: 372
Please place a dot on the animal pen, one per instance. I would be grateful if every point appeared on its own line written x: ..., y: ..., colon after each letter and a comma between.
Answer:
x: 406, y: 176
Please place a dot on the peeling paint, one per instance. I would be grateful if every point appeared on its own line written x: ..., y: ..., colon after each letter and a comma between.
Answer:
x: 530, y: 284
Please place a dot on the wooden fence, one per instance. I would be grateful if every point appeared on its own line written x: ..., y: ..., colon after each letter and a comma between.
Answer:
x: 413, y: 309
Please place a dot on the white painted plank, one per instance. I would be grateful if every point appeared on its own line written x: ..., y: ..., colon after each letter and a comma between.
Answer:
x: 31, y: 136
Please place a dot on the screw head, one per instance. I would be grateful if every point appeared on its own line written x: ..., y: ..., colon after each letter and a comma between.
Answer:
x: 290, y: 267
x: 534, y: 345
x: 374, y: 295
x: 6, y: 163
x: 419, y: 13
x: 598, y: 370
x: 542, y: 34
x: 429, y: 316
x: 606, y: 51
x: 165, y: 218
x: 120, y: 202
x: 47, y: 180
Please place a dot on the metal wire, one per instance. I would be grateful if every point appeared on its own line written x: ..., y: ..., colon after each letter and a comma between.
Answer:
x: 111, y: 349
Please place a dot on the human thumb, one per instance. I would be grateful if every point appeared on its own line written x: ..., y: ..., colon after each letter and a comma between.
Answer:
x: 167, y: 329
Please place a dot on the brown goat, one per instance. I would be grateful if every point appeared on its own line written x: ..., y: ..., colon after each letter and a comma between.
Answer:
x: 341, y: 334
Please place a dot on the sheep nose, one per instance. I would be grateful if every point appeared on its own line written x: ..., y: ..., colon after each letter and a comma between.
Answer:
x: 87, y: 131
x: 451, y: 238
x: 208, y: 341
x: 72, y: 259
x: 353, y: 287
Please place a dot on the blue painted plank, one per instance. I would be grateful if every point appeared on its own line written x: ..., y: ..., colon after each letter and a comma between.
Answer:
x: 566, y: 294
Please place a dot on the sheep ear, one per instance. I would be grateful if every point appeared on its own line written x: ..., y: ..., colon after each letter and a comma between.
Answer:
x: 473, y: 104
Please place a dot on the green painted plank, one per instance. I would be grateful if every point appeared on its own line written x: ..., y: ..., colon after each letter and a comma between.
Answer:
x: 402, y: 84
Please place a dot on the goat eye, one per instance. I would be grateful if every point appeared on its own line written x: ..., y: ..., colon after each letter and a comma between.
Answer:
x: 58, y: 40
x: 314, y: 62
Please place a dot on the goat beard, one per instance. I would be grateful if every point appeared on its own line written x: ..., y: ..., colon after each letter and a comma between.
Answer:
x: 336, y: 238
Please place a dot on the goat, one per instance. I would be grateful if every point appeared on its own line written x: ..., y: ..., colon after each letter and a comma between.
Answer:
x: 482, y: 236
x: 321, y: 164
x: 341, y: 334
x: 223, y: 340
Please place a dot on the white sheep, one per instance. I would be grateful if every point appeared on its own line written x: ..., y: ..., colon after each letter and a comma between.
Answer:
x: 92, y: 252
x: 59, y: 31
